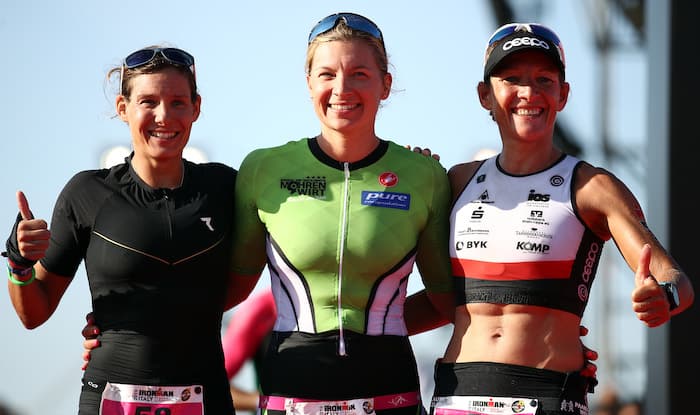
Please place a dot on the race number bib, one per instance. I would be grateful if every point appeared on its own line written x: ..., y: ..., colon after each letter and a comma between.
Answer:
x: 367, y: 406
x: 120, y: 399
x: 483, y: 405
x: 350, y: 407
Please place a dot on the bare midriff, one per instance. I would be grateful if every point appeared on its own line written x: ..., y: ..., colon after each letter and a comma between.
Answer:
x: 516, y: 334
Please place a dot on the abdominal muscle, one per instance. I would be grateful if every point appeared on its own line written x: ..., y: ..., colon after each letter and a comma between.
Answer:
x: 516, y: 334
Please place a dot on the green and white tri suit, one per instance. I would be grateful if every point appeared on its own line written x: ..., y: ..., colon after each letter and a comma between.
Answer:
x: 340, y: 240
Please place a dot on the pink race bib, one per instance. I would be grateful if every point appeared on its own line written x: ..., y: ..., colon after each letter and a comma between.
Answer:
x: 120, y: 399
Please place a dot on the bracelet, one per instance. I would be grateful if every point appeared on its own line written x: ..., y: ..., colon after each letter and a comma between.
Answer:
x: 15, y: 281
x: 22, y: 271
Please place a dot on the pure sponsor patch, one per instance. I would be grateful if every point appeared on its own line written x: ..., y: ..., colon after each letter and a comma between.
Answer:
x: 386, y: 199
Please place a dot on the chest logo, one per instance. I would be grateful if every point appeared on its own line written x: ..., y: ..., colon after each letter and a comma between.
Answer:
x: 386, y: 199
x: 537, y: 197
x: 207, y: 221
x: 556, y: 180
x: 388, y: 179
x: 313, y: 186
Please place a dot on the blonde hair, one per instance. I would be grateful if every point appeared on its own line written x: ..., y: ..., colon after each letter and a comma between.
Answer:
x: 342, y: 32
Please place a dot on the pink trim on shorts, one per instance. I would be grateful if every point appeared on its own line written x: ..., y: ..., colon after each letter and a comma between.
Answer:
x: 397, y: 400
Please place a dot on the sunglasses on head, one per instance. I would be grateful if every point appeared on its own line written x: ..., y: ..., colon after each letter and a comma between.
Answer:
x: 142, y: 57
x: 173, y: 55
x: 534, y: 28
x: 352, y: 20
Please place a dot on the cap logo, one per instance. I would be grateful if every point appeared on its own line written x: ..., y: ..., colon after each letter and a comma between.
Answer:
x: 525, y: 41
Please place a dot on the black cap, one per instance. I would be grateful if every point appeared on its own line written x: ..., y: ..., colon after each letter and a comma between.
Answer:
x: 523, y: 37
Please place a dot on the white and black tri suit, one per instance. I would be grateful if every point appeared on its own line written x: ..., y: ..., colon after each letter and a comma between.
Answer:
x: 520, y: 240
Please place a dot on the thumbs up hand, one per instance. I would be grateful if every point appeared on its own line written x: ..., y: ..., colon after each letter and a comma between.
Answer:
x: 30, y: 237
x: 649, y: 300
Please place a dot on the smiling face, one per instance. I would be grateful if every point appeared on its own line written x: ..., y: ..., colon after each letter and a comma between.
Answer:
x: 160, y: 113
x: 524, y: 95
x: 347, y: 86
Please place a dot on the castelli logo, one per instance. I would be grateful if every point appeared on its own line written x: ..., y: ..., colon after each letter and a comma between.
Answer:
x: 388, y: 179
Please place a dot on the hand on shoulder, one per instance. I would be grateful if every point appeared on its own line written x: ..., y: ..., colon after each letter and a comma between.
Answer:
x: 424, y: 151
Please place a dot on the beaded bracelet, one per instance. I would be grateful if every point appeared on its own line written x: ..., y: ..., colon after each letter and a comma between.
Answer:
x: 15, y: 281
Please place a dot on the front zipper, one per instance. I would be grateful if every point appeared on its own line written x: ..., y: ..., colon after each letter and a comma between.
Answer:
x: 169, y: 208
x: 343, y: 231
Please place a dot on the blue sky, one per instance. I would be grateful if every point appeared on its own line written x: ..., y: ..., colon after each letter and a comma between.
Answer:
x: 57, y: 117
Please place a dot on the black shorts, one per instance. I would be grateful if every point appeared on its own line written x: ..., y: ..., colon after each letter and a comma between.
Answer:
x: 557, y: 392
x: 304, y: 365
x: 128, y: 358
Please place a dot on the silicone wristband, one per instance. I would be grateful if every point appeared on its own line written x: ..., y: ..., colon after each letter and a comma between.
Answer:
x: 15, y: 281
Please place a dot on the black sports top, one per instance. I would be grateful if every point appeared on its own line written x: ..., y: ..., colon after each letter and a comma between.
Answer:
x: 157, y: 262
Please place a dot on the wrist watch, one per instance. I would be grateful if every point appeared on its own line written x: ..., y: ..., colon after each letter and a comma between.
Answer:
x: 671, y: 294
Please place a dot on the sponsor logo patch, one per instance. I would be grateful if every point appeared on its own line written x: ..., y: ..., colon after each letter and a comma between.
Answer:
x: 386, y: 199
x: 313, y: 186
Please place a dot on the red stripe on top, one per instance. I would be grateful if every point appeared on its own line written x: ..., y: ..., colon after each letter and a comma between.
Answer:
x: 511, y: 270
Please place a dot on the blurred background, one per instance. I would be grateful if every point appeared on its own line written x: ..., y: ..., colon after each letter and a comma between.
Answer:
x: 57, y: 116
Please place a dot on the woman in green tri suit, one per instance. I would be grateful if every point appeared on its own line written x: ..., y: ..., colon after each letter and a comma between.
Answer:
x: 340, y: 219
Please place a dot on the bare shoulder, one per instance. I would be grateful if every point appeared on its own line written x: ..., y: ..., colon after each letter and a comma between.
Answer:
x: 468, y: 167
x: 594, y: 181
x: 601, y: 199
x: 460, y: 174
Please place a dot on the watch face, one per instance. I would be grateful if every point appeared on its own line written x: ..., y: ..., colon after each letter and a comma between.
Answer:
x: 672, y: 294
x: 676, y: 298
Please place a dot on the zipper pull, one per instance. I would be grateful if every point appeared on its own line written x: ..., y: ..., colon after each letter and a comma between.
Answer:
x: 341, y: 345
